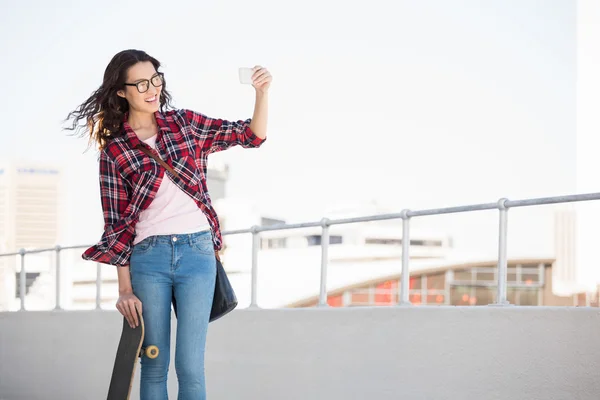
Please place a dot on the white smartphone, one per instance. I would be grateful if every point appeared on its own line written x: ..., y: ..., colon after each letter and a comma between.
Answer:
x: 246, y: 75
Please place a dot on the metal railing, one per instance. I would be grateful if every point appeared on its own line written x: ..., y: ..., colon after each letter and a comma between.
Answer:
x: 502, y: 205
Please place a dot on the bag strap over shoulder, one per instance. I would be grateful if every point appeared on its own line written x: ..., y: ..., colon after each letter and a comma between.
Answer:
x: 161, y: 162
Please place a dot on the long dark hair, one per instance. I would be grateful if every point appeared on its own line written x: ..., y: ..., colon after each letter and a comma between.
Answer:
x: 103, y: 112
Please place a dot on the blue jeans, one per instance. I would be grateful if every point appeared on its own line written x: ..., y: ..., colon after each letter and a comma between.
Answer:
x: 182, y: 269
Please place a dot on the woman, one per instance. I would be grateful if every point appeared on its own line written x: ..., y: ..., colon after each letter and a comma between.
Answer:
x: 161, y: 230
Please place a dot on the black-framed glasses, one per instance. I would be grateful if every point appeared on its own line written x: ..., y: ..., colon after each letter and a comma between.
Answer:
x: 143, y: 85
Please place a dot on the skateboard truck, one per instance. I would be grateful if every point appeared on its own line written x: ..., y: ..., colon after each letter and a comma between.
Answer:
x: 150, y: 351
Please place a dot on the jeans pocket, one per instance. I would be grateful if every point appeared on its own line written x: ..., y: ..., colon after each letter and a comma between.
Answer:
x: 203, y: 244
x: 143, y: 247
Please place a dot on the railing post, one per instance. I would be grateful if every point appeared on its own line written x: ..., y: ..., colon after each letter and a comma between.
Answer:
x: 502, y: 253
x: 22, y: 277
x: 254, y: 272
x: 405, y: 277
x: 324, y: 261
x: 57, y: 307
x: 98, y: 285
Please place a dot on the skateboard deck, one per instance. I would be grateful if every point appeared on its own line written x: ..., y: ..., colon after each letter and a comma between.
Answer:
x: 128, y: 351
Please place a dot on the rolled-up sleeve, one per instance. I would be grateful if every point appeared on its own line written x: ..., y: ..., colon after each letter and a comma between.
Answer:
x: 215, y: 135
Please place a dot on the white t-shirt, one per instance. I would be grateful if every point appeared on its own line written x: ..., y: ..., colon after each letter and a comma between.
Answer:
x: 171, y: 212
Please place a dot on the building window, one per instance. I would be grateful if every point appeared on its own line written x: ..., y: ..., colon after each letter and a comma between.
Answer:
x: 395, y: 242
x: 463, y: 275
x: 273, y: 243
x: 484, y: 296
x: 529, y: 278
x: 315, y: 240
x: 335, y: 239
x: 415, y: 298
x: 436, y: 299
x: 461, y: 296
x: 429, y: 243
x: 436, y: 282
x: 528, y: 297
x: 360, y: 297
x: 487, y: 276
x: 414, y: 282
x: 398, y: 242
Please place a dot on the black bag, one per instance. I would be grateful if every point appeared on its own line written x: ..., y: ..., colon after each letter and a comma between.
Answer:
x: 224, y: 299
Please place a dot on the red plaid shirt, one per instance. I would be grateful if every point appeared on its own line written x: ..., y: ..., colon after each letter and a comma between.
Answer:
x: 129, y: 179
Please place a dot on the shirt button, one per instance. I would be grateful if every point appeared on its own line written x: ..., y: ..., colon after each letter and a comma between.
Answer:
x: 175, y: 239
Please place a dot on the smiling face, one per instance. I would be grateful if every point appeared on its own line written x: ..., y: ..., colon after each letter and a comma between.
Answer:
x: 143, y: 86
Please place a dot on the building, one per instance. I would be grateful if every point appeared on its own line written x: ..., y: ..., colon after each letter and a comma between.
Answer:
x: 29, y: 219
x: 530, y: 283
x: 29, y: 206
x: 364, y: 266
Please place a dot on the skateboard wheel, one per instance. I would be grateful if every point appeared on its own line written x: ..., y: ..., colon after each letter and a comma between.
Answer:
x: 152, y: 352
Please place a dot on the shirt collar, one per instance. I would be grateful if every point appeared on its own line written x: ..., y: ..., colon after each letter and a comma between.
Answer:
x: 132, y: 137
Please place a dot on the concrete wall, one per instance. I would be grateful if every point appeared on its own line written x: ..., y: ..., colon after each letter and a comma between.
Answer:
x: 353, y: 353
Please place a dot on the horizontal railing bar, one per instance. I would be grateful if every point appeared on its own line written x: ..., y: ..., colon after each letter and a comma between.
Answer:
x: 34, y: 251
x: 368, y: 218
x: 278, y: 227
x: 452, y: 210
x: 74, y: 247
x: 553, y: 200
x: 380, y: 217
x: 44, y: 250
x: 281, y: 227
x: 236, y: 232
x: 433, y: 211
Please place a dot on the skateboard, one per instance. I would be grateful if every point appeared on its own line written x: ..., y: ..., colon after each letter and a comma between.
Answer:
x: 130, y: 348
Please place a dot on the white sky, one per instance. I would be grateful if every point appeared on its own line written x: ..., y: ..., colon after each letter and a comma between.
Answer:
x: 414, y: 104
